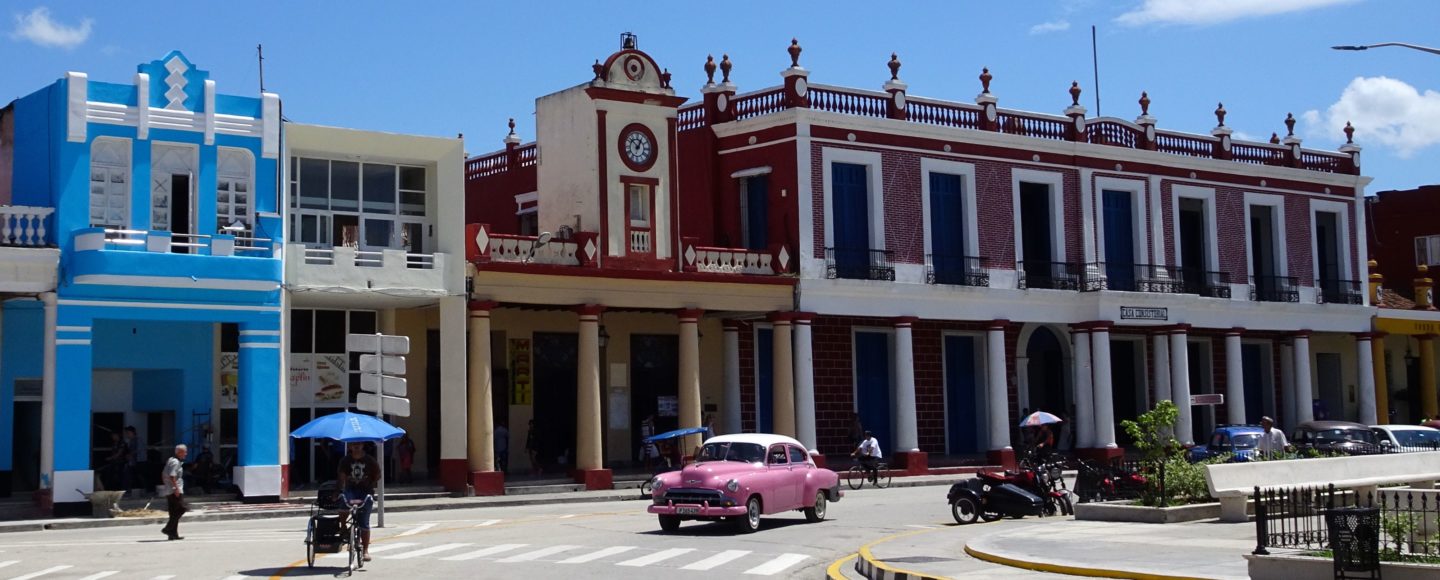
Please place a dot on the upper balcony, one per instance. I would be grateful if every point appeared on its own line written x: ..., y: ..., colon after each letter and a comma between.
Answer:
x: 350, y: 270
x: 582, y: 250
x: 28, y: 257
x: 161, y: 264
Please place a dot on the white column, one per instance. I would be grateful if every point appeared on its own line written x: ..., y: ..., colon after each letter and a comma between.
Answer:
x: 588, y: 456
x: 1104, y: 394
x: 1304, y: 389
x: 907, y: 437
x: 47, y: 394
x: 480, y: 417
x: 1180, y: 383
x: 689, y: 389
x: 1235, y: 377
x: 732, y: 377
x: 1287, y: 385
x: 782, y: 405
x: 1160, y: 343
x: 804, y: 382
x: 997, y: 397
x: 1365, y: 359
x: 454, y: 432
x: 1084, y: 390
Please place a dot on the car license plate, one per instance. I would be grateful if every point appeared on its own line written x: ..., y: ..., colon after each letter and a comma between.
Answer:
x: 686, y: 511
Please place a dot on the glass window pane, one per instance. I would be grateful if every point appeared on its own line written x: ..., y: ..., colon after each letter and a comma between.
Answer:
x: 314, y: 183
x: 377, y: 233
x: 379, y: 188
x: 330, y: 331
x: 344, y: 185
x: 412, y: 238
x: 1434, y: 250
x: 308, y: 232
x: 412, y: 178
x: 412, y: 203
x: 362, y: 321
x: 302, y: 327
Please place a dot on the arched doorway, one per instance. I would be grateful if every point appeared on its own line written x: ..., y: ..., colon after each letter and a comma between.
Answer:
x: 1046, y: 373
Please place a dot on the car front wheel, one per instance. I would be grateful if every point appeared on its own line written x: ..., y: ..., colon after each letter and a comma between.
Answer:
x: 669, y: 523
x: 816, y: 512
x: 750, y: 522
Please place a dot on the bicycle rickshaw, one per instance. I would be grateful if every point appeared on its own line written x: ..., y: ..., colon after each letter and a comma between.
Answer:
x: 665, y: 465
x: 330, y: 528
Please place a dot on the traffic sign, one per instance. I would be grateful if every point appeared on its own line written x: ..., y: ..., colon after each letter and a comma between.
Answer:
x: 377, y: 344
x: 370, y: 402
x: 384, y: 364
x: 393, y: 386
x: 1207, y: 399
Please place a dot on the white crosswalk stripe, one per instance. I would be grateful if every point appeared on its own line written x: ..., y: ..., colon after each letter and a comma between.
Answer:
x: 717, y: 560
x: 42, y: 572
x: 427, y: 551
x: 598, y: 554
x: 537, y: 554
x: 99, y: 575
x: 376, y: 549
x: 9, y: 563
x: 777, y: 565
x: 163, y: 577
x: 415, y: 530
x: 487, y: 523
x: 656, y: 557
x: 483, y: 552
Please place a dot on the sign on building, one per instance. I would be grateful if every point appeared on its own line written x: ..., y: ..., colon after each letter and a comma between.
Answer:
x: 1144, y: 313
x: 1207, y: 399
x: 521, y: 389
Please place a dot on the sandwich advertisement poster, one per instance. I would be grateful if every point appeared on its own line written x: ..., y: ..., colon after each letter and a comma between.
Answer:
x: 319, y: 379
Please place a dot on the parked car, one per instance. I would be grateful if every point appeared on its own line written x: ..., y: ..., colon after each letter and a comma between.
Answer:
x: 741, y: 477
x: 1240, y: 441
x: 1407, y: 438
x: 1341, y: 437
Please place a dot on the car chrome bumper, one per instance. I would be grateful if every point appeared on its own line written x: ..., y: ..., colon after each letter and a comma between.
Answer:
x: 699, y: 511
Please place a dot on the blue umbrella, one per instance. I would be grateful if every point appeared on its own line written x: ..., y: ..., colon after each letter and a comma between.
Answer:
x: 676, y: 433
x: 348, y: 427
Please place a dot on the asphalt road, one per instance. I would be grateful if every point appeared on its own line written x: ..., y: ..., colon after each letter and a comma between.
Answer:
x: 606, y: 540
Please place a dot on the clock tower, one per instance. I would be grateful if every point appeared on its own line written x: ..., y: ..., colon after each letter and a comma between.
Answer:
x: 607, y: 160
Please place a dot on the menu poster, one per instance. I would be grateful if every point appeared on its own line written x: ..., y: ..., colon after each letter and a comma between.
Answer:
x: 331, y: 380
x: 669, y: 406
x: 302, y: 379
x: 229, y: 380
x: 521, y: 390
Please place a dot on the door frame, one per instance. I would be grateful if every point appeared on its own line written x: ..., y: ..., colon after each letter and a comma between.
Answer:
x: 982, y: 368
x: 889, y: 332
x: 755, y: 329
x: 1138, y: 217
x: 191, y: 196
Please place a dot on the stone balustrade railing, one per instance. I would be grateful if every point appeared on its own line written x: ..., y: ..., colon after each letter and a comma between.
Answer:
x: 24, y: 226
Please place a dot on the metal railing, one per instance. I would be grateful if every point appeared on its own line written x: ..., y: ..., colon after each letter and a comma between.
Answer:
x: 1052, y: 275
x: 1294, y: 518
x: 1208, y: 283
x: 1338, y: 292
x: 859, y: 264
x: 1155, y: 278
x: 1274, y: 289
x: 957, y: 270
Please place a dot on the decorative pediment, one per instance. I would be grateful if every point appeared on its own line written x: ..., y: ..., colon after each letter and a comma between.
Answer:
x: 632, y: 69
x: 175, y: 83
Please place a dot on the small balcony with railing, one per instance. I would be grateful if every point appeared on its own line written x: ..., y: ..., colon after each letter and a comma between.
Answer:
x: 1037, y: 274
x: 395, y: 272
x: 1121, y: 277
x: 771, y: 261
x: 1338, y: 292
x: 238, y: 260
x: 28, y: 257
x: 957, y: 270
x: 565, y: 249
x: 1274, y: 289
x: 1206, y: 283
x: 859, y: 264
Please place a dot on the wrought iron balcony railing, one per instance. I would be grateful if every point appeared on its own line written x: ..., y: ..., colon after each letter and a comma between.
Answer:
x: 1338, y: 292
x: 1274, y: 289
x: 1208, y: 283
x: 1053, y: 275
x: 957, y: 270
x: 859, y: 264
x: 1154, y: 278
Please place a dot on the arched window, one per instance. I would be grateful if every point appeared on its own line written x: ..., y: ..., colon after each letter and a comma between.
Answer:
x: 234, y: 189
x: 110, y: 182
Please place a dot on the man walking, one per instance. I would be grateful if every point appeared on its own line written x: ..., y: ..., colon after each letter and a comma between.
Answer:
x: 1272, y: 440
x: 174, y: 477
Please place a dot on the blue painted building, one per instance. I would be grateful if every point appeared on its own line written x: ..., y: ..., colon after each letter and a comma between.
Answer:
x: 166, y: 218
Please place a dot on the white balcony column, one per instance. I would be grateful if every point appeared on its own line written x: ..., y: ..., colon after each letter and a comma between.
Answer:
x: 907, y: 436
x: 1304, y: 386
x: 1104, y: 391
x: 732, y: 377
x: 1180, y: 382
x: 782, y: 402
x: 1084, y: 389
x: 1287, y: 385
x: 689, y: 388
x: 1365, y: 367
x: 805, y: 382
x: 1160, y: 344
x: 588, y: 456
x: 997, y: 395
x: 1234, y: 377
x: 481, y: 442
x: 47, y: 393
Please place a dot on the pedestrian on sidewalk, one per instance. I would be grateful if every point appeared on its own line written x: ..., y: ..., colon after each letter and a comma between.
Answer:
x: 406, y: 452
x: 1272, y: 440
x: 174, y: 477
x: 132, y: 477
x: 502, y: 447
x: 532, y: 448
x: 358, y: 473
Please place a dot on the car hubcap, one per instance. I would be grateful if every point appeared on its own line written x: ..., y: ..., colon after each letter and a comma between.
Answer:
x: 966, y: 508
x: 753, y: 513
x: 820, y: 504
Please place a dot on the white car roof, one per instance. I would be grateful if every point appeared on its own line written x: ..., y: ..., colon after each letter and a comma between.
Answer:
x: 1404, y: 427
x: 765, y: 439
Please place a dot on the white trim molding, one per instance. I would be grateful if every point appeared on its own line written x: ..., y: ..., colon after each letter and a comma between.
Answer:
x: 1277, y: 216
x: 966, y: 171
x: 752, y: 172
x: 1342, y: 209
x: 875, y: 194
x: 1056, y: 181
x: 177, y: 282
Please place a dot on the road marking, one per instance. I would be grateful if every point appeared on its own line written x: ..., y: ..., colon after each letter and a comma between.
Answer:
x: 566, y: 516
x: 165, y: 577
x: 777, y: 565
x: 537, y: 554
x: 596, y: 555
x: 101, y: 575
x: 656, y: 557
x: 375, y: 548
x: 487, y: 523
x: 483, y: 552
x: 235, y: 577
x: 716, y: 560
x: 427, y: 551
x: 42, y: 572
x: 415, y: 530
x: 919, y: 526
x: 9, y: 563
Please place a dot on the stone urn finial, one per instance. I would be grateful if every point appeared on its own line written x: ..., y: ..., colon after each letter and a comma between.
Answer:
x: 1349, y: 134
x: 1074, y: 93
x: 598, y: 68
x: 709, y: 69
x: 1289, y: 124
x: 985, y: 77
x: 1274, y: 138
x: 1144, y: 103
x: 795, y: 52
x: 512, y: 125
x: 1220, y: 114
x: 894, y: 65
x: 725, y: 67
x: 665, y: 79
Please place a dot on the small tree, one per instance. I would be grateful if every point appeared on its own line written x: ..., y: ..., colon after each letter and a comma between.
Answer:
x: 1151, y: 434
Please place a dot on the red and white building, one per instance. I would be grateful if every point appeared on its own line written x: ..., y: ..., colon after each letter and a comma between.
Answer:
x: 946, y: 266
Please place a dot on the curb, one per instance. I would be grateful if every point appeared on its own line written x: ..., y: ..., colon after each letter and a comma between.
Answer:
x: 868, y: 566
x: 1071, y: 570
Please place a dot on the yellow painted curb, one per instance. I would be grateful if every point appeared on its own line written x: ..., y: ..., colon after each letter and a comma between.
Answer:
x: 1071, y: 570
x: 833, y: 572
x: 870, y: 559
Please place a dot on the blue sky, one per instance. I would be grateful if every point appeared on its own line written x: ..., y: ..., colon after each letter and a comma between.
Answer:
x: 441, y: 68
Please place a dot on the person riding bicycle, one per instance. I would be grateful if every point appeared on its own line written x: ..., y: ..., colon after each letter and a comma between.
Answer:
x: 869, y: 454
x: 358, y: 474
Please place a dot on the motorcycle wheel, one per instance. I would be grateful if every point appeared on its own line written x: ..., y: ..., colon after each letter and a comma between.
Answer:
x: 1066, y: 507
x: 964, y: 510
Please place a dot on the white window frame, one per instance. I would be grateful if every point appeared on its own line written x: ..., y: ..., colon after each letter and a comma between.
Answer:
x: 225, y: 211
x: 1138, y: 216
x: 1342, y: 211
x: 982, y: 393
x: 1056, y: 181
x: 1276, y: 203
x: 126, y: 167
x: 875, y: 193
x: 192, y: 194
x: 396, y: 218
x: 1431, y: 245
x: 1212, y: 241
x: 966, y: 171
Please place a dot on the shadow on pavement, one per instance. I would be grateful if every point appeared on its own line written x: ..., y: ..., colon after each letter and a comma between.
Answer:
x: 297, y: 572
x: 728, y: 528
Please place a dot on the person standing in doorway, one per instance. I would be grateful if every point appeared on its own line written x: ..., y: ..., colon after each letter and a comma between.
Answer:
x: 405, y: 449
x: 131, y: 477
x: 502, y: 447
x: 358, y: 474
x: 648, y: 451
x: 174, y: 477
x: 532, y: 448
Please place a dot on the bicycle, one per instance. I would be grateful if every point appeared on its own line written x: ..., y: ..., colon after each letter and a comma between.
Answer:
x: 856, y: 476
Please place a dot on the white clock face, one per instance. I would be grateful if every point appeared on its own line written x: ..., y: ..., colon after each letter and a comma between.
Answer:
x: 638, y: 148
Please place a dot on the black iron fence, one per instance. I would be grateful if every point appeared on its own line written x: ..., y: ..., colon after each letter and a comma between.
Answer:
x: 1053, y: 275
x: 1274, y: 289
x: 1338, y: 292
x: 1294, y: 518
x: 1206, y: 283
x: 1124, y: 277
x: 1120, y: 479
x: 859, y: 264
x: 957, y: 269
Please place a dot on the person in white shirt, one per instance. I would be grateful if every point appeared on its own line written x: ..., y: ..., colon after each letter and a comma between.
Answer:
x: 869, y: 454
x: 1272, y: 440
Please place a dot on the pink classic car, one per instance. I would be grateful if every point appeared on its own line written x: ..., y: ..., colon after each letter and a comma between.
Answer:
x: 741, y: 477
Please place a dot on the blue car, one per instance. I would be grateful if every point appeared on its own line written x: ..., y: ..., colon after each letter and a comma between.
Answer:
x: 1240, y: 441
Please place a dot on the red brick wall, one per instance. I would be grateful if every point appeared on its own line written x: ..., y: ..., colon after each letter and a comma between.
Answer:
x: 747, y: 377
x: 1398, y: 217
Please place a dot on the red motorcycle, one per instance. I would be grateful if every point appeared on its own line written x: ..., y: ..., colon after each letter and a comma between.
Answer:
x: 1042, y: 479
x: 1098, y: 482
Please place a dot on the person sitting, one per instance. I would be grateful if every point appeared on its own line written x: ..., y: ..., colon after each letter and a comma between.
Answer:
x: 869, y: 454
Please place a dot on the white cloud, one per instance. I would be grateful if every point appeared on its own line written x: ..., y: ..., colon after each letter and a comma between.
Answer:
x: 1384, y: 111
x: 1048, y: 27
x: 37, y: 27
x: 1242, y: 136
x: 1202, y: 12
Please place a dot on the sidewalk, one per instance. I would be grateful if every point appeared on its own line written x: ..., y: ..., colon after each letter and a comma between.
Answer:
x: 238, y: 511
x: 1100, y: 549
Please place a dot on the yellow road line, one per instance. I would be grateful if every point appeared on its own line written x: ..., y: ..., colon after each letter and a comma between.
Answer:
x: 1071, y: 570
x: 873, y: 561
x: 833, y: 572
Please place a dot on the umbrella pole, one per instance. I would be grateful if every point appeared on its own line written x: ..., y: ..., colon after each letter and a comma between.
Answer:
x: 380, y: 451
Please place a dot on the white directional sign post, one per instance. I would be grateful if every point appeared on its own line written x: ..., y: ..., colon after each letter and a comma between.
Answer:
x: 382, y: 357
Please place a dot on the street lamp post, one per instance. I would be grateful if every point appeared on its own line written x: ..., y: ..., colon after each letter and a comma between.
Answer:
x: 1435, y: 51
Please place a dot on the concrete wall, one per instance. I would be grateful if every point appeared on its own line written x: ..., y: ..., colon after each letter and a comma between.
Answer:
x: 565, y: 128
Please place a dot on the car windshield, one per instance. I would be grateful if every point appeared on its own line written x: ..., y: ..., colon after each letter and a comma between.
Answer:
x: 1340, y: 435
x: 732, y: 451
x: 1245, y: 440
x: 1425, y: 438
